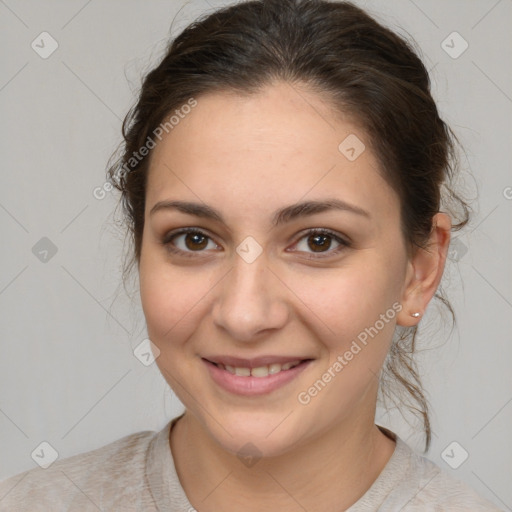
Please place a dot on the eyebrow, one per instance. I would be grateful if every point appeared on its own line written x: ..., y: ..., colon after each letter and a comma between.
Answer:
x: 281, y: 216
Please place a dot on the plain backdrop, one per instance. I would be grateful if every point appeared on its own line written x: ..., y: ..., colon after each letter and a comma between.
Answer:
x: 68, y: 374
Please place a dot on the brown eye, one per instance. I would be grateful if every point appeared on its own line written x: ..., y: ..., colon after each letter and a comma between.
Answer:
x: 188, y: 241
x: 320, y: 241
x: 195, y: 241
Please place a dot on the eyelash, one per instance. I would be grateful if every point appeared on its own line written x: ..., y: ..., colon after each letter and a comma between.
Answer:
x: 314, y: 231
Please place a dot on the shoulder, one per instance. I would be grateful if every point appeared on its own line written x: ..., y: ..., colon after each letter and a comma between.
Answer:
x: 80, y: 482
x: 427, y: 487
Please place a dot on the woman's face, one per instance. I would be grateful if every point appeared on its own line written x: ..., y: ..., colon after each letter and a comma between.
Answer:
x: 250, y: 293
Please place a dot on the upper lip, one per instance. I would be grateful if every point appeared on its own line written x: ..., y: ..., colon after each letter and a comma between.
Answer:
x: 256, y: 362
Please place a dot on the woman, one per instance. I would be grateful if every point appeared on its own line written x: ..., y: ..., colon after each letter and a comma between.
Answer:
x: 282, y: 178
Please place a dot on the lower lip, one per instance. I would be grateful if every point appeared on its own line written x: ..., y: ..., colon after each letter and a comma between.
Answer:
x: 252, y: 386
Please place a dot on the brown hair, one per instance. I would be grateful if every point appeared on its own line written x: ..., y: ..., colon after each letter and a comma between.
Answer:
x: 339, y: 51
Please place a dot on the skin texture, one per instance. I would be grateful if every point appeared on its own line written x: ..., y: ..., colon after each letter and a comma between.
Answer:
x: 247, y: 157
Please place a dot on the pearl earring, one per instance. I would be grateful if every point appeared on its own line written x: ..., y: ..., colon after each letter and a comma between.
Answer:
x: 415, y: 315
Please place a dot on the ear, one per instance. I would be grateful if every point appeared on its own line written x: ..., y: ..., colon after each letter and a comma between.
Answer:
x: 424, y: 271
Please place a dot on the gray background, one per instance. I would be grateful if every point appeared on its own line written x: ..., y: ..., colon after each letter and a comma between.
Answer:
x: 68, y: 374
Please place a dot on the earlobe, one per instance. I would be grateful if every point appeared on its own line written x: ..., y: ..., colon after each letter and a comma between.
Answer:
x: 425, y: 270
x: 411, y: 300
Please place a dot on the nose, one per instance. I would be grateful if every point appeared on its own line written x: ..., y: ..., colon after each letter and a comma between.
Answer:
x: 251, y: 300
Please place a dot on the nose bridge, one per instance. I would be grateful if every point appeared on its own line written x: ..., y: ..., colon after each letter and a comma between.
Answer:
x: 249, y: 300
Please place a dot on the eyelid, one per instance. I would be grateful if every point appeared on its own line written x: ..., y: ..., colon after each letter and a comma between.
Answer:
x: 343, y: 241
x: 166, y: 242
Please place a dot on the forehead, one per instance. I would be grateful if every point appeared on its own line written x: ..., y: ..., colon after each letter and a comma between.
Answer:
x: 261, y: 151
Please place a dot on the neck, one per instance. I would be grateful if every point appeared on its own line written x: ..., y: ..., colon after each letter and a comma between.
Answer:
x: 340, y: 466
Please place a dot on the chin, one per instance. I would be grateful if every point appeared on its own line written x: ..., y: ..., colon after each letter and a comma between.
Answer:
x: 255, y: 434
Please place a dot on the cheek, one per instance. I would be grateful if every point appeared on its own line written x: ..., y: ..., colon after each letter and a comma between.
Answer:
x: 356, y: 304
x: 348, y: 299
x: 172, y: 298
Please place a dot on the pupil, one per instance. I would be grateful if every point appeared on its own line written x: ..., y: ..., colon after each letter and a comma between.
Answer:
x: 318, y: 246
x: 195, y: 237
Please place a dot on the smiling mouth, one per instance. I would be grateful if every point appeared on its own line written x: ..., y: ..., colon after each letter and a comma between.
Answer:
x: 255, y: 378
x: 260, y: 371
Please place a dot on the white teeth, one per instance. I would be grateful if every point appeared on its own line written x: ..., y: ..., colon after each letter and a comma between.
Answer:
x: 261, y: 371
x: 274, y: 368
